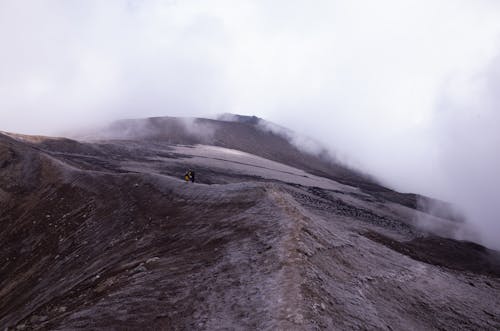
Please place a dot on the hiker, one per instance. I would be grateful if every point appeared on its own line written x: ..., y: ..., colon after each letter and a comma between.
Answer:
x: 189, y: 176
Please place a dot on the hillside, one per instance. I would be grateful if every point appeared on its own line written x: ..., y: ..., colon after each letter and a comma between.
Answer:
x: 104, y: 233
x: 251, y: 135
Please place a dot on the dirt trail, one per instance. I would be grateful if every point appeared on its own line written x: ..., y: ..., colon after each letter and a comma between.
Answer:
x: 291, y: 310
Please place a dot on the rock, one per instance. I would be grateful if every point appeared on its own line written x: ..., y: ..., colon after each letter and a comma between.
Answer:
x: 297, y: 318
x: 139, y: 268
x: 104, y: 285
x: 152, y: 260
x: 21, y: 327
x: 38, y: 319
x: 61, y: 309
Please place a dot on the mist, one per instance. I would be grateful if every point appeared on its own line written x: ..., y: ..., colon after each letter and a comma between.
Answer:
x: 403, y: 90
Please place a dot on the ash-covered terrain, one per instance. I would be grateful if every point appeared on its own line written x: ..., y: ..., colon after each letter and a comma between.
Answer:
x: 103, y: 233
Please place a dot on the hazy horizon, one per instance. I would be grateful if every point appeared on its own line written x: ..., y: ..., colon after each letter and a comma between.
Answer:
x: 404, y: 90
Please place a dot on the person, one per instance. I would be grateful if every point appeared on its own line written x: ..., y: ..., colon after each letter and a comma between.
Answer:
x: 187, y: 176
x: 192, y: 176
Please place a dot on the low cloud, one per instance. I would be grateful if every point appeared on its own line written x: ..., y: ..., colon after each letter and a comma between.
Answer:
x: 468, y: 140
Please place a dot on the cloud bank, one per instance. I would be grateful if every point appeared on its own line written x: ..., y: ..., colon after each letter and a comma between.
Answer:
x: 405, y: 90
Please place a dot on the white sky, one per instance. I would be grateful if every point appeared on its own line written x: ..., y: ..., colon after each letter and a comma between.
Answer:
x: 405, y: 89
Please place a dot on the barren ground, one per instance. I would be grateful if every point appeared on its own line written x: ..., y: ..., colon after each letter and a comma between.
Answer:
x: 107, y: 236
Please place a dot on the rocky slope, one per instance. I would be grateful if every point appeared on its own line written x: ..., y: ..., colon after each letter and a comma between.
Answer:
x: 106, y: 235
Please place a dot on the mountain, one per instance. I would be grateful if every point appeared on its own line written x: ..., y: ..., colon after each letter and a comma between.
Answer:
x: 102, y: 232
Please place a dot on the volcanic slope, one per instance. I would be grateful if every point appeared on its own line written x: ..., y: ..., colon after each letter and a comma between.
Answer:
x: 107, y: 235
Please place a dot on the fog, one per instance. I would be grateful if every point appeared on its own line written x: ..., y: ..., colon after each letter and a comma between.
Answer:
x: 404, y: 90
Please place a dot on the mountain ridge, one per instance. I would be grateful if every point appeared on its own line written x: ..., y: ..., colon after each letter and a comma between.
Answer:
x: 106, y: 234
x: 246, y: 134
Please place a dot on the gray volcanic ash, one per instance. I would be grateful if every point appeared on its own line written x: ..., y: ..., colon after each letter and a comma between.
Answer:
x: 105, y: 234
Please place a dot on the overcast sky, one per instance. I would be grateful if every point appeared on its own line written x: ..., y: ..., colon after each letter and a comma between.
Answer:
x: 407, y: 90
